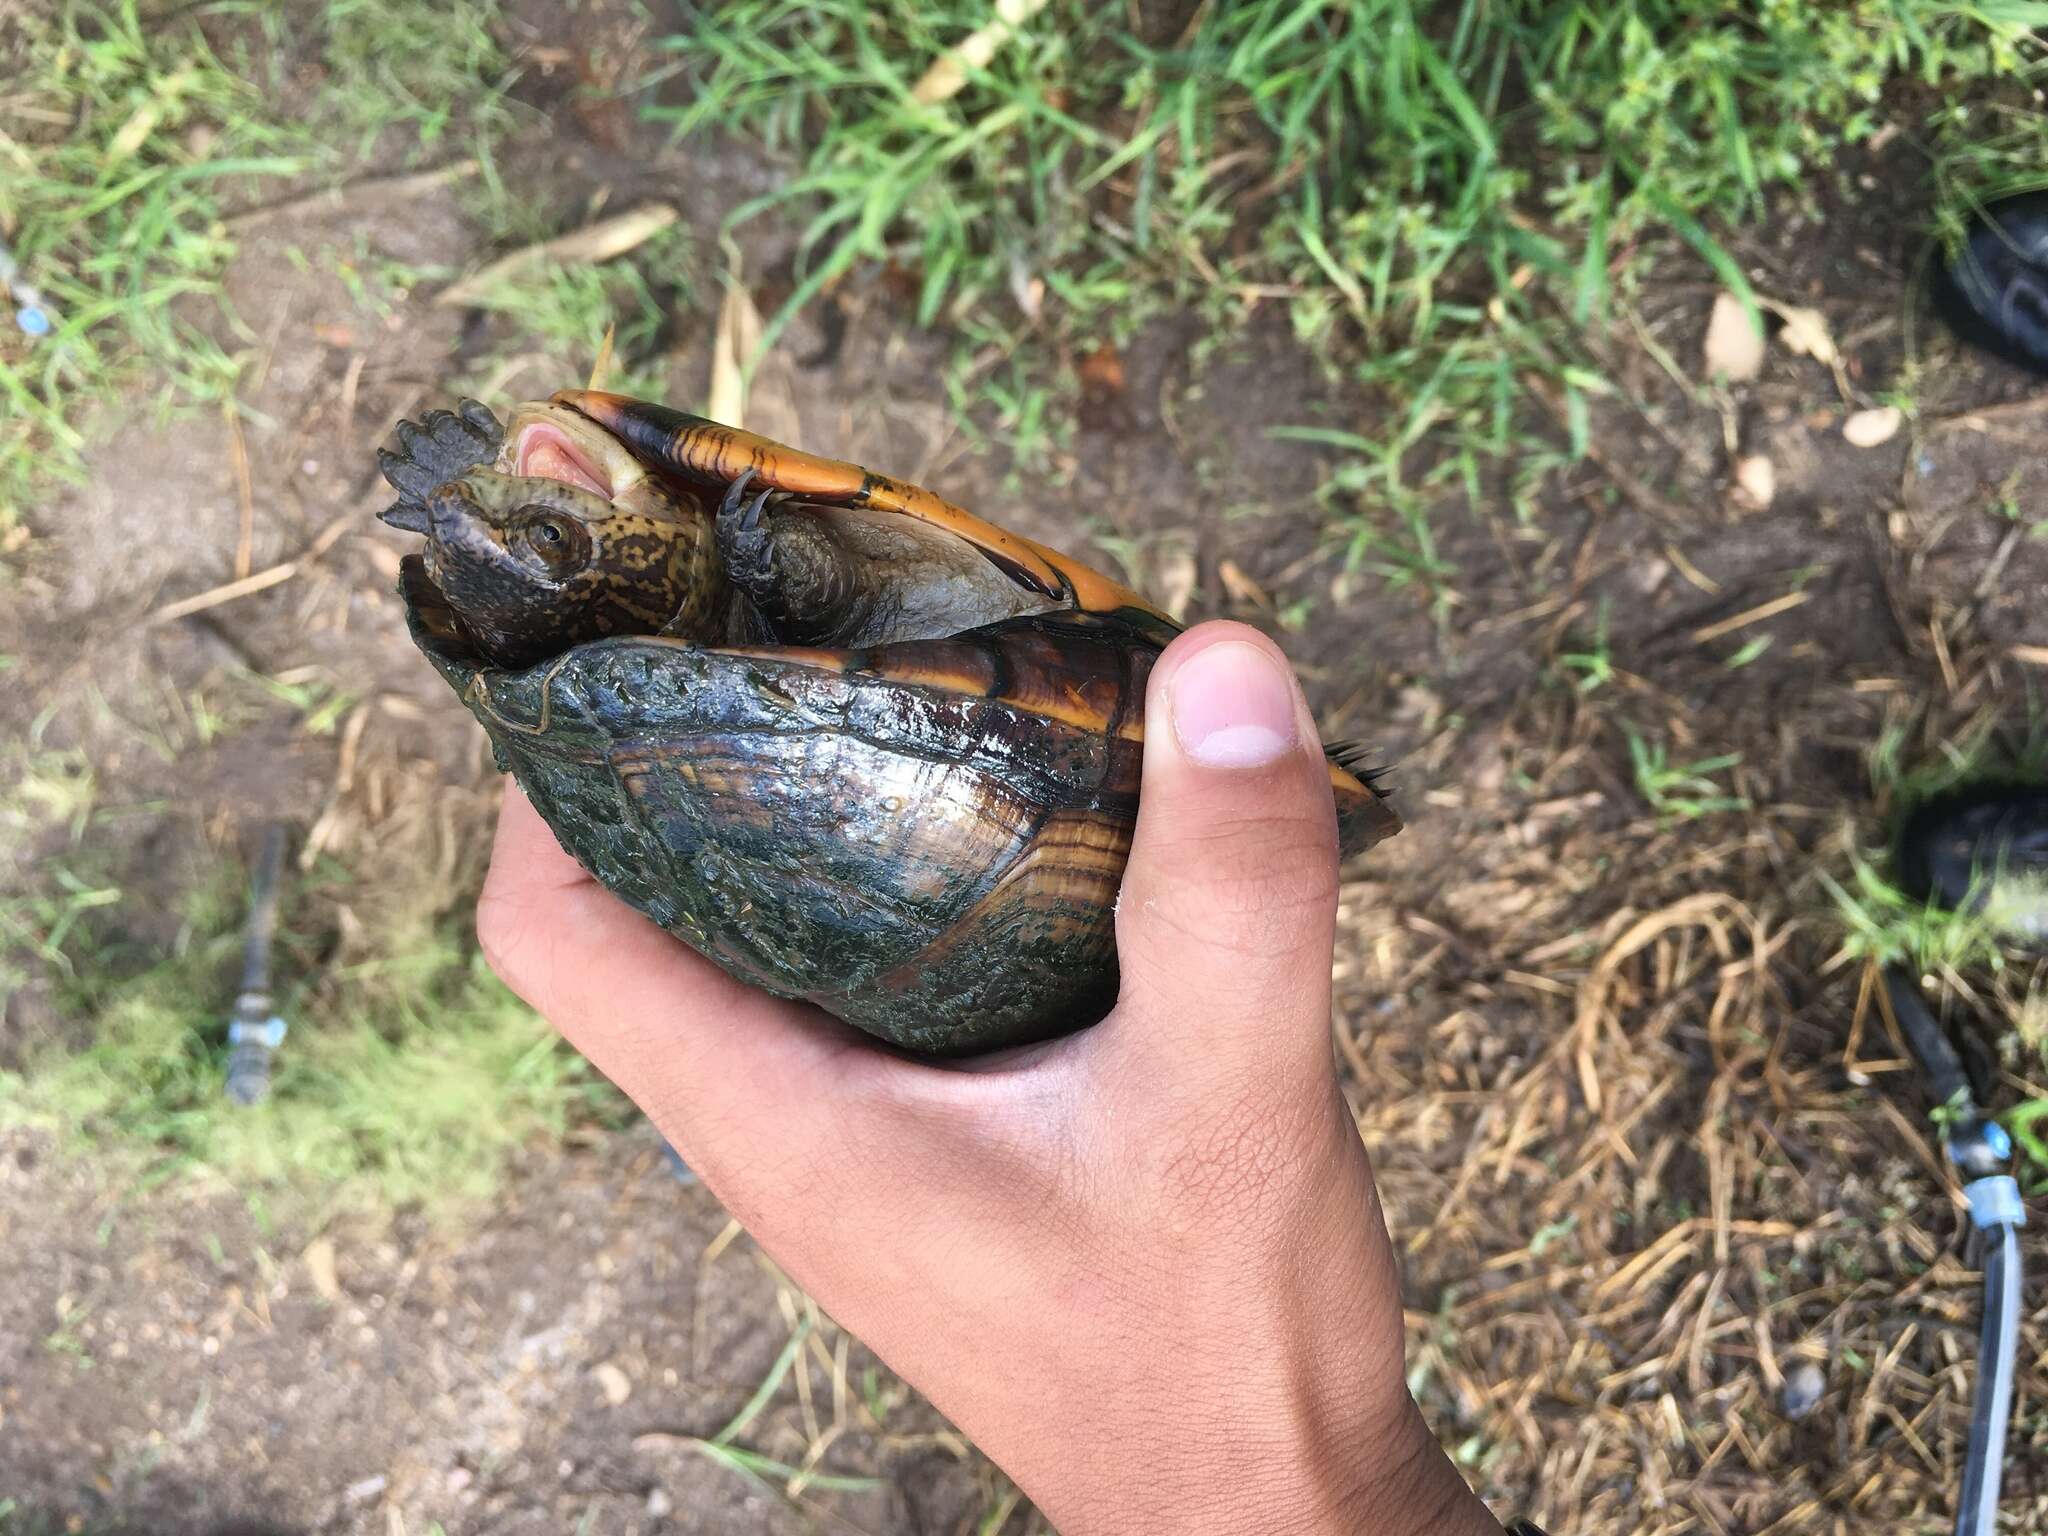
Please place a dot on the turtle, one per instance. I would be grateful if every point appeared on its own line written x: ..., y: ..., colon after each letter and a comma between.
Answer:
x: 846, y: 740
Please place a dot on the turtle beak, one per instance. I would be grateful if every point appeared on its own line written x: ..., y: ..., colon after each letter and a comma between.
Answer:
x: 408, y: 516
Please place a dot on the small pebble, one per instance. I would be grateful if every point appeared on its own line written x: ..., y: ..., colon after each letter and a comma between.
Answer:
x: 1756, y: 478
x: 367, y: 1489
x: 613, y: 1382
x: 1805, y: 1385
x: 659, y: 1503
x: 1867, y: 429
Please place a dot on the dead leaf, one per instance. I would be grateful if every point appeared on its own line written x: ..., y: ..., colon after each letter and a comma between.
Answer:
x: 606, y: 240
x: 1756, y: 480
x: 601, y: 366
x: 1102, y: 371
x: 1242, y: 588
x: 319, y: 1262
x: 739, y: 334
x: 1734, y: 348
x: 1867, y: 429
x: 1174, y: 577
x: 949, y: 72
x: 1103, y: 406
x: 613, y: 1382
x: 1806, y: 332
x: 1027, y: 289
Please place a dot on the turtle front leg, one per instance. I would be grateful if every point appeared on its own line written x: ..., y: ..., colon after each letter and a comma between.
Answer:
x: 799, y: 579
x: 442, y: 446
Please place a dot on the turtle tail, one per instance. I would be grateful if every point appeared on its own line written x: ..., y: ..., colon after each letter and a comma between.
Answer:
x: 1354, y: 757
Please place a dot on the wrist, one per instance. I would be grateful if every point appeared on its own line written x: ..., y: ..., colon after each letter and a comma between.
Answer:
x: 1425, y: 1496
x: 1412, y: 1489
x: 1390, y: 1480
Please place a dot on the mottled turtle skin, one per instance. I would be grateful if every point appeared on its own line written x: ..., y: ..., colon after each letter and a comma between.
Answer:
x: 924, y: 837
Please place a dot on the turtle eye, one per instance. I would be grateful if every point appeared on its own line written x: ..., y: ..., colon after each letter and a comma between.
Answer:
x: 556, y: 543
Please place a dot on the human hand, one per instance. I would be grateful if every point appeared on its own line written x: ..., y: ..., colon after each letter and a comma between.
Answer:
x: 1143, y: 1267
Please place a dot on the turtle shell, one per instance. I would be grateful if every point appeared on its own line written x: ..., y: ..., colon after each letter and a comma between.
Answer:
x: 925, y: 839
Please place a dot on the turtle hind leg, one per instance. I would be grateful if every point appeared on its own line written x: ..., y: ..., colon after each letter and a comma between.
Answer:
x: 815, y: 574
x: 787, y: 565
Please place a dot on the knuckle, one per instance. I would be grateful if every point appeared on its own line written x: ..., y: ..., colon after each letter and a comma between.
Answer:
x: 1273, y: 894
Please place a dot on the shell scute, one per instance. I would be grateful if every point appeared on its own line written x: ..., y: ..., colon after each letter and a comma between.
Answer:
x: 802, y: 824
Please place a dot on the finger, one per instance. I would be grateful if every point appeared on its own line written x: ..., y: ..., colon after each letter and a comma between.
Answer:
x: 716, y: 1064
x: 1228, y: 910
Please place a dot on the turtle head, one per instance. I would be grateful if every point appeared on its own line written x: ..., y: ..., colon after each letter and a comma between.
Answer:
x: 564, y: 539
x: 532, y: 566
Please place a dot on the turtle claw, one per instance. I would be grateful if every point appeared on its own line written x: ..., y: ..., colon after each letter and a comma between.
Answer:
x: 744, y: 540
x: 407, y: 516
x: 439, y: 447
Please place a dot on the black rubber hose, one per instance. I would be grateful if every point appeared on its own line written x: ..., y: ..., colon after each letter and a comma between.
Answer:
x: 1939, y: 1060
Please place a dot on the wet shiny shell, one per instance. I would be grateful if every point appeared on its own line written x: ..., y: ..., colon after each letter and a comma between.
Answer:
x: 924, y: 839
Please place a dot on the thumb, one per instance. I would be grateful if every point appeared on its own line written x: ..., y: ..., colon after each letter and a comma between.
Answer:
x: 1228, y: 913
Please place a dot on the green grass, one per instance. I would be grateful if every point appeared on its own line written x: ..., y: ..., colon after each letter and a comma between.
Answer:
x: 1878, y: 920
x: 1905, y: 770
x: 406, y: 1082
x: 129, y: 144
x: 1680, y: 791
x: 2028, y: 1124
x: 555, y: 318
x: 1592, y: 668
x: 116, y: 219
x: 431, y: 77
x: 1882, y: 923
x: 1445, y: 197
x: 413, y: 1106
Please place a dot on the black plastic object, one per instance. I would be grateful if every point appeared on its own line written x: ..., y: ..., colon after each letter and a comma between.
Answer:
x: 1941, y: 1065
x: 1993, y: 291
x: 1983, y: 849
x: 1981, y: 1152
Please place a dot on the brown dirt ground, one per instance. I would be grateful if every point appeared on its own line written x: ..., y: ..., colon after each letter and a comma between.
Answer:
x: 1643, y: 1148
